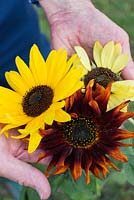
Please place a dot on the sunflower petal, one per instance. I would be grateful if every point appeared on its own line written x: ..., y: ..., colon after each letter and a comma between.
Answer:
x: 117, y: 52
x: 55, y: 61
x: 83, y: 57
x: 97, y: 53
x: 36, y: 123
x: 22, y: 135
x: 62, y: 90
x: 57, y: 105
x: 122, y: 91
x: 25, y: 72
x: 7, y: 94
x: 120, y: 62
x: 114, y: 101
x: 61, y: 116
x: 34, y: 141
x: 16, y: 82
x: 38, y: 66
x: 107, y: 53
x: 49, y: 116
x: 8, y: 127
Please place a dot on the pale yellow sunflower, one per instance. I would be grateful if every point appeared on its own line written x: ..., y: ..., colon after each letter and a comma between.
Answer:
x: 108, y: 63
x: 38, y: 93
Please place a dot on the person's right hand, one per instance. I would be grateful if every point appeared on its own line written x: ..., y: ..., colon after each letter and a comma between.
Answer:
x: 14, y: 166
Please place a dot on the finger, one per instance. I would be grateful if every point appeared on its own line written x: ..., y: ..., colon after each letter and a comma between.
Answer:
x: 34, y: 157
x: 128, y: 72
x: 24, y: 174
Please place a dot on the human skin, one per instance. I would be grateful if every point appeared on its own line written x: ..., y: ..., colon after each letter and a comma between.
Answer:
x: 74, y: 22
x: 14, y: 166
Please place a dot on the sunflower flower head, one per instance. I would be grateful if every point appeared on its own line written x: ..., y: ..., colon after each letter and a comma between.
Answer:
x: 38, y: 93
x: 90, y: 138
x: 108, y: 61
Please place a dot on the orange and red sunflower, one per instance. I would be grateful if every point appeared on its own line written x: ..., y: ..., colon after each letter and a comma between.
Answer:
x: 91, y: 137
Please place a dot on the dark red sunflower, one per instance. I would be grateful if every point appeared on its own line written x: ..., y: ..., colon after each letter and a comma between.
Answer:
x: 92, y: 136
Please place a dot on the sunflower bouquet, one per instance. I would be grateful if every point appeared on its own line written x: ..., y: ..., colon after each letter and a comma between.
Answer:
x: 70, y: 108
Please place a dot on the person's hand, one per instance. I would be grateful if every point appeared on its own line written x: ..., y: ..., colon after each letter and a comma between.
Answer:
x: 74, y: 22
x: 14, y: 166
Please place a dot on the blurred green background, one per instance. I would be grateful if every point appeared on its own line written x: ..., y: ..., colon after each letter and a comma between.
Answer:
x: 121, y: 12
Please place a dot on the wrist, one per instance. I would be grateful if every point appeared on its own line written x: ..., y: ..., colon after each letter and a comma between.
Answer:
x: 53, y: 7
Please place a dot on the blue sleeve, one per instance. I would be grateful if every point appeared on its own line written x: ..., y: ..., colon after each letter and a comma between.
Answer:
x: 19, y: 30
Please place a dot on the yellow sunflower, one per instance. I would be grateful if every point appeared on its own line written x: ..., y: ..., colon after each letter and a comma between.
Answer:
x: 38, y: 93
x: 108, y: 61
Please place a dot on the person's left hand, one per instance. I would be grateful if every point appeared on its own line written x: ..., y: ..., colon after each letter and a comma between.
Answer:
x: 76, y: 22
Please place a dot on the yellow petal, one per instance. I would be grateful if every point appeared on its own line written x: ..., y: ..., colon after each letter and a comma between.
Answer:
x: 120, y: 62
x: 36, y: 123
x: 23, y: 135
x: 18, y: 120
x: 61, y: 116
x: 38, y: 66
x: 114, y: 101
x: 83, y: 57
x: 117, y: 52
x: 8, y: 127
x: 97, y: 53
x: 62, y: 90
x: 72, y: 90
x: 73, y: 60
x: 57, y: 66
x: 25, y: 72
x: 34, y: 141
x: 16, y: 82
x: 49, y: 116
x: 7, y: 94
x: 6, y: 134
x: 57, y: 105
x: 107, y: 53
x: 124, y: 89
x: 121, y: 91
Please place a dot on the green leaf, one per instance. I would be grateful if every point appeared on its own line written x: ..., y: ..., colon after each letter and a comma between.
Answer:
x: 29, y: 194
x: 64, y: 187
x: 129, y: 169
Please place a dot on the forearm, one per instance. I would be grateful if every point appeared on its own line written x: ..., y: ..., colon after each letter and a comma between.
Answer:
x: 64, y: 6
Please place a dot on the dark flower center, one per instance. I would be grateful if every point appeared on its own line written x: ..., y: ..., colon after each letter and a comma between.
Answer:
x: 80, y: 132
x: 103, y: 76
x: 37, y: 100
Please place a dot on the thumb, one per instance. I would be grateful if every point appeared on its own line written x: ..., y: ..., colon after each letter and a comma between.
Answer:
x: 25, y: 174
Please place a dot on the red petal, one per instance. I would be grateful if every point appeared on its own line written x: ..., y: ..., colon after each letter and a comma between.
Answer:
x: 122, y: 117
x: 96, y: 171
x: 88, y: 94
x: 95, y: 107
x: 61, y: 169
x: 118, y: 155
x: 112, y: 164
x: 51, y: 165
x: 103, y: 98
x: 121, y: 134
x: 64, y: 154
x: 87, y: 162
x: 77, y: 169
